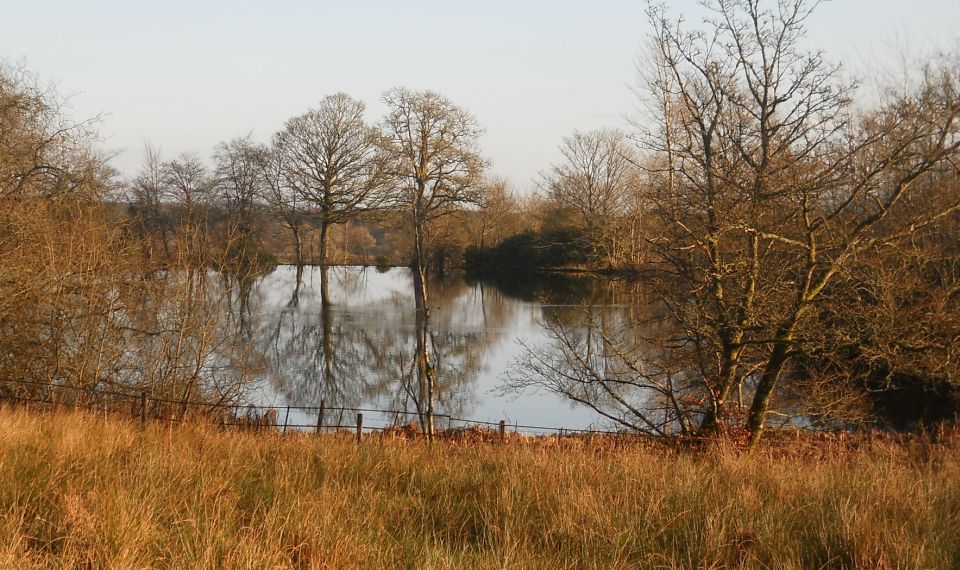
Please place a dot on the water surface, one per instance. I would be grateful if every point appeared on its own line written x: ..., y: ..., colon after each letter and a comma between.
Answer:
x: 359, y: 351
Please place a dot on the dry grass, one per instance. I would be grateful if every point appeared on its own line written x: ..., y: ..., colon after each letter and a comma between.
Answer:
x: 78, y: 491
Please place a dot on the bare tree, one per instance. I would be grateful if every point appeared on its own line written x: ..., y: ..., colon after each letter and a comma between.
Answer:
x: 771, y: 182
x: 435, y: 167
x: 331, y: 161
x: 145, y: 195
x: 189, y: 187
x: 598, y: 180
x: 497, y: 216
x: 281, y: 198
x: 188, y: 184
x: 44, y: 152
x: 81, y: 311
x: 765, y: 185
x: 239, y: 179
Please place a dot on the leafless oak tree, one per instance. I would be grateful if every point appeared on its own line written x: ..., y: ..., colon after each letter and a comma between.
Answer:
x: 434, y: 167
x: 331, y: 160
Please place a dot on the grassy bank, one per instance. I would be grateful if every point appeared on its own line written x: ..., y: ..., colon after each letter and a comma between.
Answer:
x: 76, y: 490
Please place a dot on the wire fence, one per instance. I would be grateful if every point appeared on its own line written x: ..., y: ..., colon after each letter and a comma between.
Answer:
x: 145, y: 407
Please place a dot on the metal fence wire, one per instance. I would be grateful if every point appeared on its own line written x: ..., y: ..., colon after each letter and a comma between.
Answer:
x: 147, y: 407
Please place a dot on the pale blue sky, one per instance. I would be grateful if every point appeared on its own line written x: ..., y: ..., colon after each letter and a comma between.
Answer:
x: 186, y: 75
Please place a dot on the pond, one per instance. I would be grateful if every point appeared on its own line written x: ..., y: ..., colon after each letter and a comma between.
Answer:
x: 358, y: 352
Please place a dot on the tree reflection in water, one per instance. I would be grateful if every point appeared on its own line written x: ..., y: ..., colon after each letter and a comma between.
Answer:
x: 359, y: 351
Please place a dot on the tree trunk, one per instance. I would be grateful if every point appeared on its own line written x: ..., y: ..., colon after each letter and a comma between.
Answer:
x: 245, y: 289
x: 298, y: 244
x: 295, y: 297
x: 728, y: 377
x: 425, y: 374
x: 322, y: 259
x: 329, y: 382
x: 419, y: 269
x: 768, y: 382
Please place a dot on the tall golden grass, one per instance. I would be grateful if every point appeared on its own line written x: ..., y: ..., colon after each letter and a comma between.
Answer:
x: 77, y: 490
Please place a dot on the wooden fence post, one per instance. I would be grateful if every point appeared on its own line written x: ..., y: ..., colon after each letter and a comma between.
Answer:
x: 503, y: 430
x: 286, y: 419
x: 320, y: 416
x: 359, y: 427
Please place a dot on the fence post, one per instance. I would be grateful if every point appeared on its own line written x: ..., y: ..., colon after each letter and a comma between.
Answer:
x: 503, y: 430
x: 286, y: 418
x: 143, y: 408
x: 359, y: 427
x: 320, y: 416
